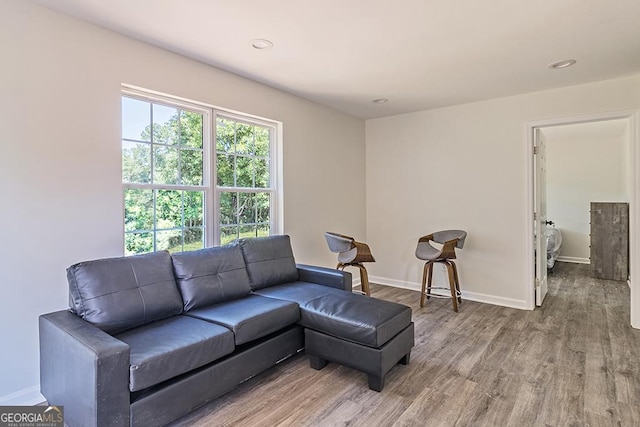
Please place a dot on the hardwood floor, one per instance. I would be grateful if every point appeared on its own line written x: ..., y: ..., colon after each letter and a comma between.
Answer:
x: 573, y: 362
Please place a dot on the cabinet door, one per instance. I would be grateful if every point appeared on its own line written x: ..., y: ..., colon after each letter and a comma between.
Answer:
x: 610, y: 240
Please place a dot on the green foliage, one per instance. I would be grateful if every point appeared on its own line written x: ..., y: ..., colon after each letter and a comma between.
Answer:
x: 179, y: 217
x: 138, y: 209
x: 177, y: 150
x: 137, y: 243
x: 243, y: 214
x: 231, y: 234
x: 242, y: 154
x: 136, y: 162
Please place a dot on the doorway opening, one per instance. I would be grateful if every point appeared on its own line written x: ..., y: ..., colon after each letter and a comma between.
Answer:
x: 625, y: 123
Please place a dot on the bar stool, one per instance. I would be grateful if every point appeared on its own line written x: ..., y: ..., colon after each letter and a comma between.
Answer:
x: 351, y: 254
x: 450, y: 239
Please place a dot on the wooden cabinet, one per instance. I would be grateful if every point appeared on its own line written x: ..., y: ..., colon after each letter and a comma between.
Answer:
x: 610, y: 240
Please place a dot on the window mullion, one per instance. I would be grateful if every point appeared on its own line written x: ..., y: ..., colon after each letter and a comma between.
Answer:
x: 165, y: 187
x: 252, y: 158
x: 153, y: 152
x: 182, y: 218
x: 212, y: 201
x: 247, y: 189
x: 179, y: 146
x: 155, y: 219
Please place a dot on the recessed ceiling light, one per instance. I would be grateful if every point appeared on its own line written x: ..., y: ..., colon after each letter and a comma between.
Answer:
x: 561, y: 64
x: 261, y: 44
x: 380, y: 101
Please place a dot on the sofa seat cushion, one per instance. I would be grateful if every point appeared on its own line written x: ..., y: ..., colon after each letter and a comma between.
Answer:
x: 269, y: 260
x: 361, y: 319
x: 211, y: 276
x: 299, y: 292
x: 170, y: 347
x: 251, y: 317
x: 116, y: 294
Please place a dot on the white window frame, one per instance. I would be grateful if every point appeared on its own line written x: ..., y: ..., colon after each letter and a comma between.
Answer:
x: 209, y: 178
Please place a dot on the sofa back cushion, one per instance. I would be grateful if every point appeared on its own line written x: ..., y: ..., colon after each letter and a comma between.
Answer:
x: 121, y: 293
x: 269, y: 261
x: 210, y: 276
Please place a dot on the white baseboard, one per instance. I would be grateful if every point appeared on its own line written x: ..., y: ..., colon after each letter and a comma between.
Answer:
x: 471, y: 296
x: 26, y: 397
x: 395, y: 283
x: 496, y: 300
x: 573, y: 259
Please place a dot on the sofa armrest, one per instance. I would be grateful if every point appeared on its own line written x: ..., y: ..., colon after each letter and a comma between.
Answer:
x: 325, y: 276
x: 85, y: 369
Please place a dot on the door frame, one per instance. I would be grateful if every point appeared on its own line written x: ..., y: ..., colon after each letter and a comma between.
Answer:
x: 633, y: 120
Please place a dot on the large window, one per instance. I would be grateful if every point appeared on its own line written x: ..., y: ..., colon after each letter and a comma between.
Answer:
x: 180, y: 192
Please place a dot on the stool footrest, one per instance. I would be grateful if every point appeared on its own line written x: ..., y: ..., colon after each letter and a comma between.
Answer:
x: 441, y: 288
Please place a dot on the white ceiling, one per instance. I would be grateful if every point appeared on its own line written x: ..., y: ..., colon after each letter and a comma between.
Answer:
x: 420, y: 54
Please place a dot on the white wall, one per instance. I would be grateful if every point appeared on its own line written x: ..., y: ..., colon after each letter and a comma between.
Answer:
x: 586, y: 163
x: 467, y: 167
x: 60, y: 170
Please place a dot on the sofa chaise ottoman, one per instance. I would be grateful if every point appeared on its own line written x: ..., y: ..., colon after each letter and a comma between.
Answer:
x: 150, y: 337
x: 364, y: 333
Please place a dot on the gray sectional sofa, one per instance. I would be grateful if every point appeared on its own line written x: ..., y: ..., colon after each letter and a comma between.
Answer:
x: 150, y: 337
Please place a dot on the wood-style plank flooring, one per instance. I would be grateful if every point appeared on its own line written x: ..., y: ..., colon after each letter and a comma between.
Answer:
x: 573, y: 362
